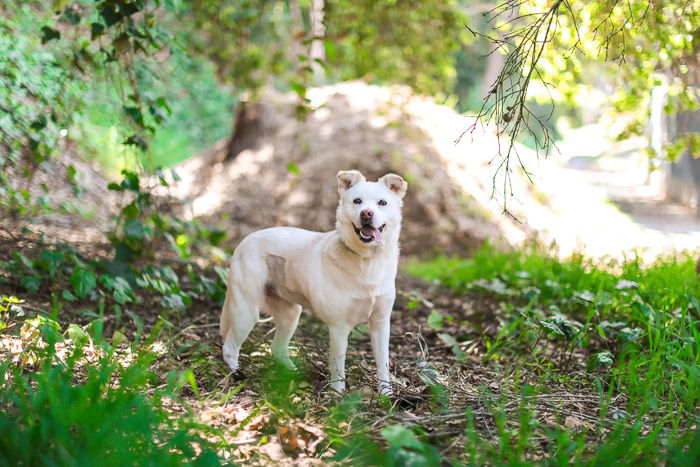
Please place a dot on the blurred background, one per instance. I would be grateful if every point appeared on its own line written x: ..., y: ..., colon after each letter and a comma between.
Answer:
x: 255, y: 105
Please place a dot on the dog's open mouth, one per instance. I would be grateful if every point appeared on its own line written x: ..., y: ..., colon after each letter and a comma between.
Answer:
x: 367, y: 233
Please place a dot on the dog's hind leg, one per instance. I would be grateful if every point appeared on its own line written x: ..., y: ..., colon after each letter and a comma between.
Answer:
x: 285, y: 315
x: 242, y: 307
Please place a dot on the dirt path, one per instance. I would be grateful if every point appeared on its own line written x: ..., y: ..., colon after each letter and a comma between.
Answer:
x: 600, y: 201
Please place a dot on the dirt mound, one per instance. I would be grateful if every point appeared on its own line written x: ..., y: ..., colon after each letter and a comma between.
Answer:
x: 280, y: 170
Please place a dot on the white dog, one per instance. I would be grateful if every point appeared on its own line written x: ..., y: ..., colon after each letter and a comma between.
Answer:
x: 345, y: 276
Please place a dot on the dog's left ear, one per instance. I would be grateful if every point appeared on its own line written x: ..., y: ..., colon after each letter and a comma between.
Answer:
x: 348, y: 179
x: 396, y: 184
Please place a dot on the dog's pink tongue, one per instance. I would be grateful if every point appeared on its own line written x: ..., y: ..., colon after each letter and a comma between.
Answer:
x: 375, y: 233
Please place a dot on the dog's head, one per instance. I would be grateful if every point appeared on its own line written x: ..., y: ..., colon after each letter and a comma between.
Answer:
x: 369, y: 212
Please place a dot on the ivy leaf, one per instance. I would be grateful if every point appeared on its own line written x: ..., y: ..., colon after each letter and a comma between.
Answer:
x: 109, y: 14
x: 83, y: 282
x: 173, y: 301
x: 68, y: 295
x: 604, y: 358
x: 585, y: 296
x: 77, y: 335
x: 121, y: 289
x: 428, y: 373
x: 451, y: 341
x: 624, y: 284
x: 52, y: 260
x: 136, y: 141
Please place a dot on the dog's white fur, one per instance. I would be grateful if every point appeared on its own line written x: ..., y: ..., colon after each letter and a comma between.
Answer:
x: 344, y: 279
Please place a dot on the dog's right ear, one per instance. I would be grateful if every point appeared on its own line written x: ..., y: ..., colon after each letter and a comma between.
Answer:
x: 348, y: 178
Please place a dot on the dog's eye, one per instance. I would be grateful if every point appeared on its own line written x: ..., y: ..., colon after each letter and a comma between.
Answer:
x: 357, y: 201
x: 382, y: 202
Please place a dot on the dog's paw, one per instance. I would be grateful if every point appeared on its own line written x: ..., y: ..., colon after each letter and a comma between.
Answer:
x: 338, y: 386
x: 232, y: 364
x: 287, y: 363
x: 384, y: 388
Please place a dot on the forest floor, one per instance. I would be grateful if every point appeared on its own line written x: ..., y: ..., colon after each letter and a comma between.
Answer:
x: 508, y: 362
x: 449, y: 379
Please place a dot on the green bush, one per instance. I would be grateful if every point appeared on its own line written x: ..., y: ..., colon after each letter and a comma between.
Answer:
x: 73, y: 412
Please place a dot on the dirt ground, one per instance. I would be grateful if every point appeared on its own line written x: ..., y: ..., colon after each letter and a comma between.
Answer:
x: 251, y: 416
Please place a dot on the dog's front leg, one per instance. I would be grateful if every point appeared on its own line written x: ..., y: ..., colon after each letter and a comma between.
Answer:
x: 338, y: 349
x: 379, y: 323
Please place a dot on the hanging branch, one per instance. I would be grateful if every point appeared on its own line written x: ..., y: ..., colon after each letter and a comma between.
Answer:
x: 523, y: 38
x: 506, y: 105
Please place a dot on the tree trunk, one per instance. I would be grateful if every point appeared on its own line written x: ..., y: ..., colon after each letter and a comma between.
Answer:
x: 317, y: 50
x: 247, y: 130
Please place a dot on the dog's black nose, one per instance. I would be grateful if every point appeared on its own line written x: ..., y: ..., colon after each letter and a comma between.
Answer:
x: 366, y: 215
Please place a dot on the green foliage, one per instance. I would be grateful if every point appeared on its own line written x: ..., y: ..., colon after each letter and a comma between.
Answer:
x: 53, y: 56
x: 69, y: 413
x: 246, y: 39
x: 396, y: 41
x: 557, y: 51
x: 638, y: 326
x: 197, y: 112
x: 390, y: 42
x: 65, y: 274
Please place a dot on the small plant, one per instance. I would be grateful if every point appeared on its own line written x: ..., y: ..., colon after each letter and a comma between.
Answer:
x: 83, y: 407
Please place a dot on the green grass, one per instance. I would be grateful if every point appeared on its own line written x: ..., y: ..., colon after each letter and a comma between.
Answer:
x: 638, y: 326
x: 86, y: 405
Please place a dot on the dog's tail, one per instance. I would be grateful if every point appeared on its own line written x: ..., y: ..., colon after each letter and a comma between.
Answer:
x: 247, y: 275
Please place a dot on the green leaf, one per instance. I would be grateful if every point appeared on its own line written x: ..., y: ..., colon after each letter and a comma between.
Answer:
x: 585, y: 296
x: 330, y: 49
x: 222, y: 273
x: 77, y: 335
x: 26, y: 261
x: 604, y: 358
x: 68, y: 295
x: 52, y: 260
x: 428, y: 373
x: 292, y: 167
x: 31, y: 283
x: 120, y: 287
x: 298, y: 88
x: 624, y: 284
x: 399, y: 436
x: 435, y: 320
x: 118, y: 338
x: 173, y: 301
x: 136, y: 141
x: 451, y: 341
x: 135, y: 229
x: 83, y: 282
x: 109, y: 14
